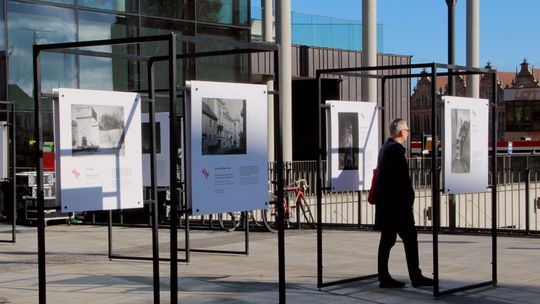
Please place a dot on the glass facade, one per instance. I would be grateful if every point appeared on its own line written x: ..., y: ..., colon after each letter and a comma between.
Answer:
x: 321, y: 31
x: 523, y: 115
x: 53, y: 21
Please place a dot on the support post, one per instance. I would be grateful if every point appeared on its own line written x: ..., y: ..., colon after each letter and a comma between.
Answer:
x: 473, y: 46
x: 153, y: 183
x: 283, y: 26
x: 494, y: 177
x: 173, y: 153
x: 318, y: 191
x: 451, y: 92
x: 527, y: 200
x: 268, y: 36
x: 369, y: 48
x: 39, y: 176
x: 279, y: 167
x: 435, y: 182
x: 109, y: 234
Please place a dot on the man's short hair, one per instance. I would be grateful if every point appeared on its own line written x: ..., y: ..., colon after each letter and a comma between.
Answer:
x: 397, y: 125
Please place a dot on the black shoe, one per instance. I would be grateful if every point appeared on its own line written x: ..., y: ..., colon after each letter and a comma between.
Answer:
x: 422, y: 281
x: 390, y: 283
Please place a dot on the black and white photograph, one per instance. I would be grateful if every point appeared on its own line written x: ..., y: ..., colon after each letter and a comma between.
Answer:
x: 348, y: 141
x: 223, y: 126
x: 97, y: 129
x: 461, y: 140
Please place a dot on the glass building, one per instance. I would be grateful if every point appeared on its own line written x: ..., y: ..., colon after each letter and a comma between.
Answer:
x: 319, y: 31
x: 29, y: 22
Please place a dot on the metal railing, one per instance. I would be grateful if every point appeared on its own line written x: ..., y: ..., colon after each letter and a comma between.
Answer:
x: 518, y: 205
x: 518, y: 201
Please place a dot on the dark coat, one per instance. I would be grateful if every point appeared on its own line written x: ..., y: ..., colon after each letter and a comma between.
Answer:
x: 395, y: 194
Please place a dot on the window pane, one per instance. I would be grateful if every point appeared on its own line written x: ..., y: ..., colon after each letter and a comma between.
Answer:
x: 60, y: 1
x: 222, y: 68
x: 222, y: 11
x: 536, y: 116
x: 106, y: 73
x: 151, y: 26
x: 129, y: 6
x: 243, y: 7
x: 518, y: 115
x: 34, y: 23
x: 510, y: 116
x: 527, y: 117
x: 178, y: 9
x: 3, y: 89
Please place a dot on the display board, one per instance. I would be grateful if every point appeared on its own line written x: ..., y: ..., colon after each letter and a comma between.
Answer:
x: 4, y: 151
x: 227, y: 163
x: 465, y: 145
x: 162, y: 149
x: 353, y: 144
x: 98, y: 150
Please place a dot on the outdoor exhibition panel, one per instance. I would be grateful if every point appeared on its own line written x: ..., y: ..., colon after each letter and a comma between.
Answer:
x: 162, y: 149
x: 465, y: 148
x: 227, y: 167
x: 98, y: 154
x: 174, y: 92
x: 352, y: 137
x: 459, y: 136
x: 4, y: 150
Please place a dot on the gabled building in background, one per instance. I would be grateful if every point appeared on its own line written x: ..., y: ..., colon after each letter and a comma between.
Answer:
x: 522, y: 100
x: 421, y: 103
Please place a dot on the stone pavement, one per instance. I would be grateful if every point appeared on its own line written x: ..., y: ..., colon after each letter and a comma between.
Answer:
x: 78, y: 270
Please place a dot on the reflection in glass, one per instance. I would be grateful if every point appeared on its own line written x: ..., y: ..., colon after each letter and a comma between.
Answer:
x: 178, y: 9
x: 3, y: 54
x: 149, y: 27
x: 60, y: 1
x: 114, y: 5
x: 105, y: 73
x: 222, y: 68
x: 33, y: 23
x: 217, y: 11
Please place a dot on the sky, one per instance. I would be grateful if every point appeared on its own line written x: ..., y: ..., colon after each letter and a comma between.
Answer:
x: 509, y: 29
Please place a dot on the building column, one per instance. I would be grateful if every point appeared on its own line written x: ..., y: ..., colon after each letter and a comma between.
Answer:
x: 473, y: 46
x: 268, y: 36
x: 369, y: 48
x: 283, y: 35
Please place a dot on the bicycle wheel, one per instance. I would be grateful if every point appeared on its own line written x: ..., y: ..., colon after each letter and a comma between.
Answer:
x: 229, y: 221
x: 307, y: 212
x: 269, y: 220
x: 254, y: 221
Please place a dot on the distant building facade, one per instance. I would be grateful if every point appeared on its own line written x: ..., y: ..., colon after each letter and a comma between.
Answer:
x: 421, y: 103
x: 523, y: 105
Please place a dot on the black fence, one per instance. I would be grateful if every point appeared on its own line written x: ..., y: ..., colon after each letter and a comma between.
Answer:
x: 518, y: 200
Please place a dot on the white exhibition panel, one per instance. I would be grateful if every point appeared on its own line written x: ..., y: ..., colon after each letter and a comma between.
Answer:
x: 353, y: 144
x: 98, y: 150
x: 162, y: 154
x: 465, y: 145
x: 227, y: 143
x: 4, y: 150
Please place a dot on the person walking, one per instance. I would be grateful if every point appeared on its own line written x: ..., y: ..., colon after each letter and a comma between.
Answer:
x: 394, y: 199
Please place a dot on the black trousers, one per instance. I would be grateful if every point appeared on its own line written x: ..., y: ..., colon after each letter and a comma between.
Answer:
x: 410, y: 241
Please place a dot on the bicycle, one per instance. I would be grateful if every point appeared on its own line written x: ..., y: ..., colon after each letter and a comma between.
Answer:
x: 230, y: 221
x: 298, y: 187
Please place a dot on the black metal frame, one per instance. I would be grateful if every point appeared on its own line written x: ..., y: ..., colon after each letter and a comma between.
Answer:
x: 12, y: 163
x: 172, y: 39
x: 452, y: 70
